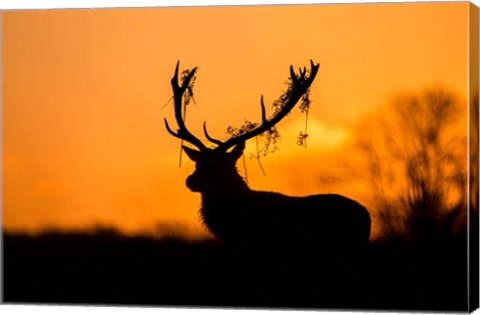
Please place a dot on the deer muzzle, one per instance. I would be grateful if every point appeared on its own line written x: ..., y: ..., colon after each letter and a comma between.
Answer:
x: 192, y: 183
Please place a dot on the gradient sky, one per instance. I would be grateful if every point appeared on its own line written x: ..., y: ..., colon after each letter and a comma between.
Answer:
x: 84, y: 139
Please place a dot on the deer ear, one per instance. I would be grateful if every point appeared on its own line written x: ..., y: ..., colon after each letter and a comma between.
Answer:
x: 194, y: 155
x: 237, y: 151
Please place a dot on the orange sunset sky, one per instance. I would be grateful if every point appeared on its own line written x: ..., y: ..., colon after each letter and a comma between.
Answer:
x: 83, y: 135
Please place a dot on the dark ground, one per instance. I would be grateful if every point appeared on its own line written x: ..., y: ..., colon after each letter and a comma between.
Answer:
x: 105, y: 267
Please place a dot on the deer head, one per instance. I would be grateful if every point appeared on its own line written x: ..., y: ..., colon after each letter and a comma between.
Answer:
x: 214, y: 170
x: 215, y: 167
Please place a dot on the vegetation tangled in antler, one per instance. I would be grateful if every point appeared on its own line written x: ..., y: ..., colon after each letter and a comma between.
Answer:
x: 272, y: 135
x: 188, y: 95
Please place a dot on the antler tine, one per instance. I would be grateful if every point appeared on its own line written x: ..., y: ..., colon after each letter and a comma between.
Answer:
x: 264, y: 115
x: 182, y: 132
x: 292, y: 74
x: 209, y: 138
x: 218, y: 142
x: 300, y: 84
x: 173, y: 133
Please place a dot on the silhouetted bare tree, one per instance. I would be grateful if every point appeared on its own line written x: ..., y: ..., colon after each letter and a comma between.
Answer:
x: 417, y: 165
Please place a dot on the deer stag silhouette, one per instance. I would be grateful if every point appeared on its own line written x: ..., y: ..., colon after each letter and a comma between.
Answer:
x: 239, y: 216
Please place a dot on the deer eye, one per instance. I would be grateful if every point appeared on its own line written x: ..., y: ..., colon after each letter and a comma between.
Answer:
x: 204, y: 168
x: 210, y: 167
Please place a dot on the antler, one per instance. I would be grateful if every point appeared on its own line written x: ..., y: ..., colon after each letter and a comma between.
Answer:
x: 299, y: 86
x: 182, y: 132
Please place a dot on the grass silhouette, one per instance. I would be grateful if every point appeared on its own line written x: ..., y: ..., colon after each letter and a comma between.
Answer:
x: 106, y: 267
